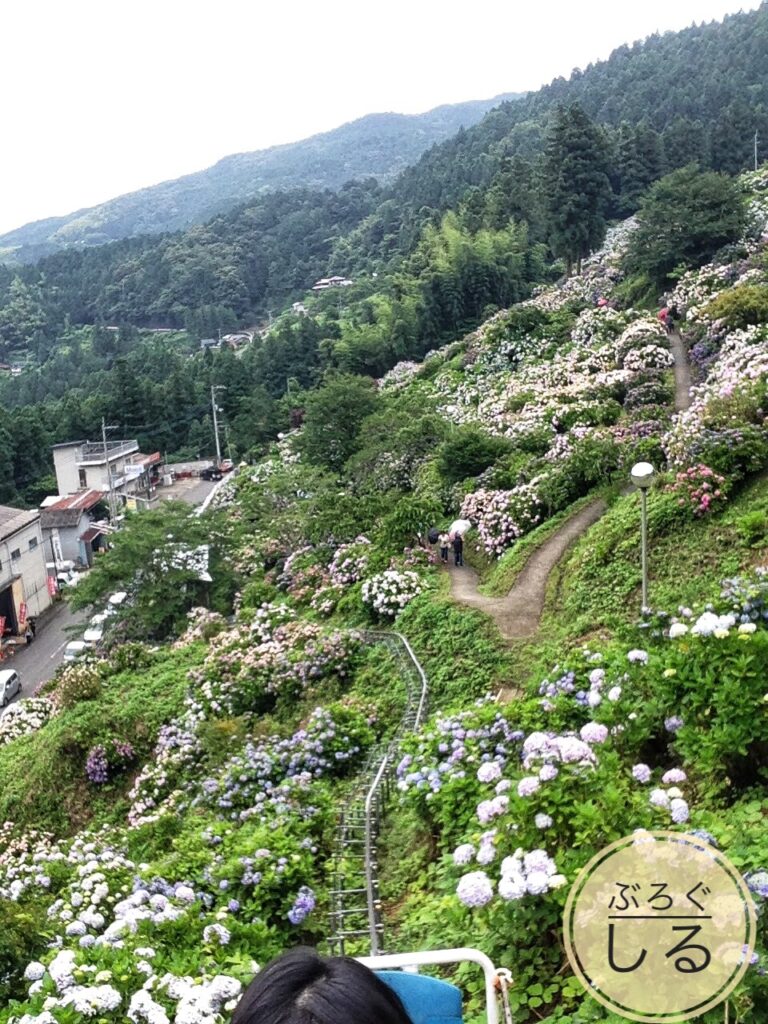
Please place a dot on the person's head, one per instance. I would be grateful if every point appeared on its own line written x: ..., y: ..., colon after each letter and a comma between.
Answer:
x: 302, y: 987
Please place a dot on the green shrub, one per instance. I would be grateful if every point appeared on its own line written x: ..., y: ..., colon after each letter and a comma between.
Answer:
x: 469, y: 451
x: 741, y: 306
x: 753, y: 528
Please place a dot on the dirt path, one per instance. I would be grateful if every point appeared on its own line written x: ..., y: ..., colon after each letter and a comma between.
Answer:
x: 682, y: 372
x: 517, y: 615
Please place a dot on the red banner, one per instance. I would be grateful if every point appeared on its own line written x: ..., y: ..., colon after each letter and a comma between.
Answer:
x: 2, y: 624
x: 52, y: 587
x: 22, y: 613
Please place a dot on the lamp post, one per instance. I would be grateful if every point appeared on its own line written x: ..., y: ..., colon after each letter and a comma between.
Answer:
x: 641, y: 475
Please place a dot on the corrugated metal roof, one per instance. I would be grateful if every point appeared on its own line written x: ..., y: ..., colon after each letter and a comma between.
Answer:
x: 13, y: 519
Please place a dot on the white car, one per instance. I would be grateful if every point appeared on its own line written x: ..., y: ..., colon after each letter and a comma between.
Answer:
x: 10, y: 685
x: 93, y: 635
x: 117, y: 599
x: 75, y: 649
x: 99, y: 619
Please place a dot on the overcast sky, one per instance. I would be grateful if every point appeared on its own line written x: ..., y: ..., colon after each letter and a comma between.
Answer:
x: 101, y: 97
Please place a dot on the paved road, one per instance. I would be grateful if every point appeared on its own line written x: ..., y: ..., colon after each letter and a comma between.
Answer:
x: 199, y: 491
x: 36, y: 662
x: 193, y: 490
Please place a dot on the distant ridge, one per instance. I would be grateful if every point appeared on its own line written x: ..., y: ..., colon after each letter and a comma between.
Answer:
x: 377, y: 145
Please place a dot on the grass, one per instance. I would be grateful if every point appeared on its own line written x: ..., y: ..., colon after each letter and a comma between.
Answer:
x: 42, y: 776
x: 594, y: 593
x: 460, y: 650
x: 502, y: 575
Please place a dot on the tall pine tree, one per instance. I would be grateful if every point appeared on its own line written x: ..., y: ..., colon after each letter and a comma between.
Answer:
x: 576, y: 186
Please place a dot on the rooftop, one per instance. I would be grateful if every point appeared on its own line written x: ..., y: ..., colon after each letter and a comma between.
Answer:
x: 79, y: 500
x: 14, y: 519
x: 67, y: 512
x: 93, y: 451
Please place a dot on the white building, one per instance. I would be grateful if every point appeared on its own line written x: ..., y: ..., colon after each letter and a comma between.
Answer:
x: 23, y: 576
x: 69, y: 531
x: 84, y: 465
x: 331, y: 282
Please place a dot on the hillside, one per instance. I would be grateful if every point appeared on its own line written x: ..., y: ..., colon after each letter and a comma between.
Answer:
x: 171, y: 805
x: 660, y: 103
x: 378, y: 146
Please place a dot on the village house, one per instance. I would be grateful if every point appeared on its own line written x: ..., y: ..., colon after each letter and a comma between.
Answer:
x: 24, y: 592
x: 119, y: 466
x: 331, y: 282
x: 69, y: 530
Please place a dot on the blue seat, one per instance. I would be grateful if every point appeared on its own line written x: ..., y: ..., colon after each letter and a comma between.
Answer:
x: 426, y: 1000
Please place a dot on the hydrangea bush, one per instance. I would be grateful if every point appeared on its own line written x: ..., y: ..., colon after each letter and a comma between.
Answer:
x: 388, y: 592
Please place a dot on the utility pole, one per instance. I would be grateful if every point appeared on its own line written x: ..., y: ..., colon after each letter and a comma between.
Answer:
x: 112, y: 511
x: 214, y: 389
x: 756, y: 138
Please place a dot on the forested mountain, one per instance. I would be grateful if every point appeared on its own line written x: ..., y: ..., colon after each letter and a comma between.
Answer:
x: 509, y: 204
x: 378, y: 145
x: 662, y: 103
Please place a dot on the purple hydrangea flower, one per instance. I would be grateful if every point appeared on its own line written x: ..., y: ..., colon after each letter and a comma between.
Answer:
x: 673, y: 776
x: 594, y: 732
x: 679, y: 811
x: 637, y: 656
x: 463, y: 854
x: 489, y: 772
x: 542, y: 821
x: 674, y: 723
x: 512, y: 887
x: 642, y: 773
x: 97, y: 765
x: 303, y: 905
x: 486, y: 854
x: 537, y: 882
x: 528, y: 786
x: 474, y: 889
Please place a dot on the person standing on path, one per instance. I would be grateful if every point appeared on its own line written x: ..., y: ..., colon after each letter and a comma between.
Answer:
x: 444, y: 541
x: 458, y: 549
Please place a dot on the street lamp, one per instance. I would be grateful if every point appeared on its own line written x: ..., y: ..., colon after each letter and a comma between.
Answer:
x: 641, y: 475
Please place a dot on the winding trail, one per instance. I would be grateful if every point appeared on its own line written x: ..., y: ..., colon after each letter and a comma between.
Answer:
x: 682, y: 371
x: 517, y: 615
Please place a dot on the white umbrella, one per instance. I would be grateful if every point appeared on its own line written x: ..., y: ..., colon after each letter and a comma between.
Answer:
x: 459, y: 526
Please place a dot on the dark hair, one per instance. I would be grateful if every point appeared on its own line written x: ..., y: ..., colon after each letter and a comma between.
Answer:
x: 302, y: 987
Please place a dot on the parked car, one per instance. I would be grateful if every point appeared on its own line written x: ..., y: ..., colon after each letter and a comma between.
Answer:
x: 68, y: 579
x: 211, y: 473
x: 10, y: 685
x: 93, y: 635
x: 226, y: 465
x: 117, y: 599
x: 64, y: 573
x: 75, y: 649
x: 99, y: 618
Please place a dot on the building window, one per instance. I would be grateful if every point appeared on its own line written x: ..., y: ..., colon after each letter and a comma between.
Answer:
x: 15, y: 554
x: 83, y: 478
x: 32, y: 543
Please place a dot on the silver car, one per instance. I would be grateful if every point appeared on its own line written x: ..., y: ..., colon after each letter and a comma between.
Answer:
x: 10, y: 685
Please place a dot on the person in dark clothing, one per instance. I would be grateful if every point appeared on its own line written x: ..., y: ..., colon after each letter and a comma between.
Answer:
x: 458, y: 549
x: 302, y: 987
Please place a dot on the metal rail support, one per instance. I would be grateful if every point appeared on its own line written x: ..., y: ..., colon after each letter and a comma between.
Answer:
x: 355, y: 863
